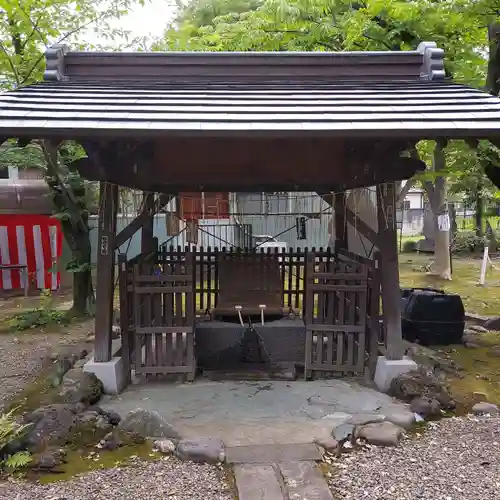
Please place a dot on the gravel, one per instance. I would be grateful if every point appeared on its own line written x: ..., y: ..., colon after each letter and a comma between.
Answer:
x: 22, y: 354
x: 165, y: 479
x: 455, y: 459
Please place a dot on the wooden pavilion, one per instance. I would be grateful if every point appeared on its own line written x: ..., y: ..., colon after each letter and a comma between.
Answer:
x: 166, y: 123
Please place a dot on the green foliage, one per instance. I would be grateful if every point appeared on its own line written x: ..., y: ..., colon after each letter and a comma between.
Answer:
x: 200, y: 13
x: 10, y: 431
x: 459, y: 27
x: 17, y: 461
x: 466, y: 242
x: 409, y: 246
x: 40, y: 317
x: 29, y: 27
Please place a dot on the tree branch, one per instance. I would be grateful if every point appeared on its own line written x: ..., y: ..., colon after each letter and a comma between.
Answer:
x: 50, y: 153
x: 404, y: 191
x: 383, y: 42
x: 62, y: 39
x: 34, y: 25
x: 11, y: 64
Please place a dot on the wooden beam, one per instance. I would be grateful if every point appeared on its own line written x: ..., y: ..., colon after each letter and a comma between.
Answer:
x: 388, y: 247
x: 340, y: 221
x: 147, y: 230
x: 129, y: 231
x: 362, y: 227
x: 126, y: 335
x: 108, y: 208
x: 350, y: 217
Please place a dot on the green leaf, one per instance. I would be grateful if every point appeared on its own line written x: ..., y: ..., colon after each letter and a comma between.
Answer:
x: 18, y: 460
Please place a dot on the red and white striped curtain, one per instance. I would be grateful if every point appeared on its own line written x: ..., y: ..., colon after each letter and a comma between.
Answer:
x: 32, y: 240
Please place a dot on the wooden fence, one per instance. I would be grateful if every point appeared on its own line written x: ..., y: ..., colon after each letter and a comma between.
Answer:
x: 143, y: 287
x: 292, y: 262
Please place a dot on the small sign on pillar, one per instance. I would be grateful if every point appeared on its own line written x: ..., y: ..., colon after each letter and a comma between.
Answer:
x: 104, y: 245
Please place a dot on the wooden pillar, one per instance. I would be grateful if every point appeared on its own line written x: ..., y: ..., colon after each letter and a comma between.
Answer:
x: 340, y: 221
x: 147, y: 231
x: 108, y: 207
x: 124, y: 316
x: 388, y: 247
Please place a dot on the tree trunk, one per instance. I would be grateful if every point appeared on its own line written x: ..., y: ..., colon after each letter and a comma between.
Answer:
x: 493, y: 75
x: 479, y: 211
x: 437, y: 199
x: 79, y: 243
x: 82, y: 285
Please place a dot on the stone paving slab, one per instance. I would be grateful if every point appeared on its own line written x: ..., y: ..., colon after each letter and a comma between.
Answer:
x: 257, y: 482
x: 255, y: 413
x: 272, y: 453
x: 303, y: 480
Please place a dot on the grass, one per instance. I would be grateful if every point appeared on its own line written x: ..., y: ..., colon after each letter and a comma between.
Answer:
x: 481, y: 373
x: 477, y: 299
x: 78, y: 462
x: 481, y: 369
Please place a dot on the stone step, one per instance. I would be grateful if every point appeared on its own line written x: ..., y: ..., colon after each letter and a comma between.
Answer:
x: 257, y: 482
x: 303, y: 480
x: 272, y: 453
x: 284, y: 481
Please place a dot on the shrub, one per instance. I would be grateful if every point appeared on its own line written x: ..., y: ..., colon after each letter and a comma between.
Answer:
x: 467, y: 242
x: 10, y: 432
x: 40, y: 316
x: 409, y: 246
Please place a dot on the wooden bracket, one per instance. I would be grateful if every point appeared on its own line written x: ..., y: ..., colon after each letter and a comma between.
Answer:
x: 365, y: 230
x: 129, y: 231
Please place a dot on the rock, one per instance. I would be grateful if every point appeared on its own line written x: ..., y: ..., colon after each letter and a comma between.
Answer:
x: 148, y: 424
x: 81, y: 387
x: 492, y: 324
x: 111, y: 441
x: 328, y: 444
x: 165, y: 446
x: 431, y: 359
x: 50, y: 424
x: 472, y: 345
x: 474, y: 339
x: 203, y: 450
x: 82, y: 353
x: 478, y: 328
x: 62, y: 364
x: 113, y: 417
x: 479, y: 397
x: 380, y: 434
x: 478, y: 318
x: 343, y: 432
x: 361, y: 419
x: 79, y: 408
x: 404, y: 419
x: 48, y: 460
x: 88, y: 416
x: 416, y: 384
x: 485, y: 408
x: 425, y: 407
x: 494, y: 351
x: 98, y: 420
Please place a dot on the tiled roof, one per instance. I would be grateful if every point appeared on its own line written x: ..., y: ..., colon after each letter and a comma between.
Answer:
x: 340, y: 108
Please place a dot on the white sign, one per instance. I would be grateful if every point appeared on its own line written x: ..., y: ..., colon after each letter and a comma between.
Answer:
x: 444, y: 222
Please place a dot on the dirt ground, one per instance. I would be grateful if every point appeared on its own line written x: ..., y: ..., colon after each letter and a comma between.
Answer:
x: 22, y: 354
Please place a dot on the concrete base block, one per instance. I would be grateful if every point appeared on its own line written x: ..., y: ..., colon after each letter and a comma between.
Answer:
x: 110, y: 373
x: 388, y: 369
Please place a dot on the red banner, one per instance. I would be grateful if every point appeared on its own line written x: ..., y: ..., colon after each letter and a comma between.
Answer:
x: 34, y: 241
